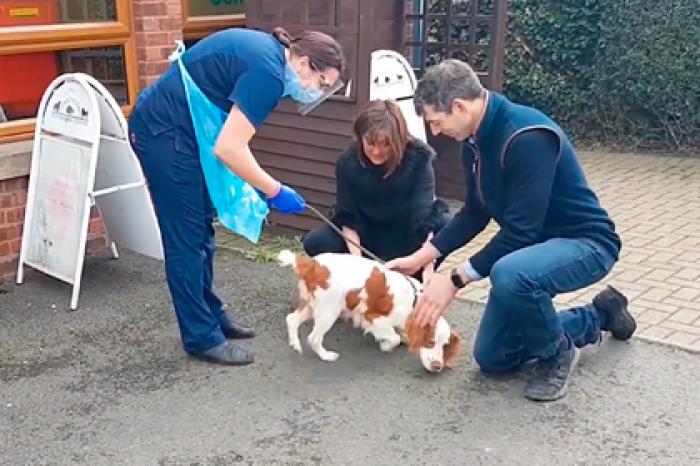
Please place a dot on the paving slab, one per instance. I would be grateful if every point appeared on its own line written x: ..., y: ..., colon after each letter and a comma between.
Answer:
x: 655, y: 203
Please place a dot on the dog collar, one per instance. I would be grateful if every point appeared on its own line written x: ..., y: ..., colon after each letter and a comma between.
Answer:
x: 415, y: 291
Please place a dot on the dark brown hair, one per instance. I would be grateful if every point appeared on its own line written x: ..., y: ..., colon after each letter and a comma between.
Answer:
x: 323, y: 51
x: 383, y: 117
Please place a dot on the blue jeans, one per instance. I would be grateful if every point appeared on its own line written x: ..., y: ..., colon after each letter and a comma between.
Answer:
x: 520, y: 322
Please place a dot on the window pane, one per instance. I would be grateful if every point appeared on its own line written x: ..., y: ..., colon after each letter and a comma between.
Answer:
x: 434, y: 56
x: 485, y: 7
x: 414, y: 55
x: 460, y: 54
x: 461, y: 7
x: 437, y: 7
x: 481, y: 61
x: 460, y: 33
x: 413, y: 29
x: 483, y: 34
x: 414, y: 7
x: 37, y: 12
x: 437, y: 31
x: 19, y: 96
x: 215, y: 7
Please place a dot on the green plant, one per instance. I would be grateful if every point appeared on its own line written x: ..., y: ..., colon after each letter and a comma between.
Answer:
x: 613, y: 72
x: 647, y: 73
x: 550, y: 54
x: 266, y: 250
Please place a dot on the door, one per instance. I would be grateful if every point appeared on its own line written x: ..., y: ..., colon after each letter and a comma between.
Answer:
x: 302, y: 151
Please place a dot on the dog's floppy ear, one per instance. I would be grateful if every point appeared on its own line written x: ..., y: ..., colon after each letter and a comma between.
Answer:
x: 419, y: 337
x: 452, y: 348
x: 352, y: 299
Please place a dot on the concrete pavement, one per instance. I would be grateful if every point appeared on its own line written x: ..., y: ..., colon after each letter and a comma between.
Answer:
x: 655, y: 202
x: 109, y: 384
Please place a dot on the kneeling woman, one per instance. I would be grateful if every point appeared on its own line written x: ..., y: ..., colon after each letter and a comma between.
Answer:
x: 385, y: 190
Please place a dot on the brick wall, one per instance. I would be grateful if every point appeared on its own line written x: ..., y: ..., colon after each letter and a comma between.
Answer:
x: 13, y: 195
x: 158, y: 26
x: 13, y: 200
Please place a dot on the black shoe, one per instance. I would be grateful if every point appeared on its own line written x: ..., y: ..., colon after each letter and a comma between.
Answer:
x: 618, y: 320
x: 551, y: 377
x: 234, y: 329
x: 226, y: 353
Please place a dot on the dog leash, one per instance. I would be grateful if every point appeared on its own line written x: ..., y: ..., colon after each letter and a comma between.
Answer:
x: 340, y: 232
x: 373, y: 256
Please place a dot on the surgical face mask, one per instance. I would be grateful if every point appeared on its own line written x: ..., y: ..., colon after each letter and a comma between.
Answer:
x: 294, y: 89
x: 306, y: 99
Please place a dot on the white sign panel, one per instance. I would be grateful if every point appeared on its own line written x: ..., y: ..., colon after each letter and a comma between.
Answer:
x: 82, y: 157
x: 120, y: 187
x: 391, y: 77
x: 68, y: 112
x: 59, y: 207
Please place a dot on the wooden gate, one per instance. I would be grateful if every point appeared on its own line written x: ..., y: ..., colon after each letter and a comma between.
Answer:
x: 302, y: 151
x: 469, y: 30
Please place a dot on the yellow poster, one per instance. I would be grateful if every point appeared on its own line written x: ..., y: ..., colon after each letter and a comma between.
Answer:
x: 24, y: 12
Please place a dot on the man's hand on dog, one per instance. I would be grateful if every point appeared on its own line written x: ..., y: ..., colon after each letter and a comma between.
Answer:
x: 409, y: 265
x: 437, y: 294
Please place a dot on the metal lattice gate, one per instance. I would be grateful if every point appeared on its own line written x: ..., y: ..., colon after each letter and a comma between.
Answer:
x: 469, y: 30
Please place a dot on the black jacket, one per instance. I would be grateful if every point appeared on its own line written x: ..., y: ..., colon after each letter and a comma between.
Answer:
x: 394, y: 215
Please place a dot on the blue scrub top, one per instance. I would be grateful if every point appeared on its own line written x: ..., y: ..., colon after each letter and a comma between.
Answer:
x: 237, y: 66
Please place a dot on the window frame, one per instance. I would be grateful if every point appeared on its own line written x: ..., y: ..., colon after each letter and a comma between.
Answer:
x: 196, y: 27
x: 70, y: 36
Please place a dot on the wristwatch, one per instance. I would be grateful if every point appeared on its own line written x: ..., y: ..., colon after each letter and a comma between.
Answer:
x: 457, y: 278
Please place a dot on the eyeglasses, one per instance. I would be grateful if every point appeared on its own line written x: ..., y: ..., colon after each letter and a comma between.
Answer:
x: 324, y: 82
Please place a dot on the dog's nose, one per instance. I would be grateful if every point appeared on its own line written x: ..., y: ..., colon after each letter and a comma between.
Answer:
x: 435, y: 366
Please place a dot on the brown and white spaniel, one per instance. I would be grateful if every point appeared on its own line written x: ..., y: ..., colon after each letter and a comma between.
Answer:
x: 377, y: 299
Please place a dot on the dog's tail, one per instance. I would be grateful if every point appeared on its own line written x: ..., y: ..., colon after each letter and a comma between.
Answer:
x: 287, y: 258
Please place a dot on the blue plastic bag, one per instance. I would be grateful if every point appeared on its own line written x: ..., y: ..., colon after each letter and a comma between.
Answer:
x: 238, y: 205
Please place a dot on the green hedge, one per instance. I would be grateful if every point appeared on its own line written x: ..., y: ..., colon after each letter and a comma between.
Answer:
x: 612, y: 72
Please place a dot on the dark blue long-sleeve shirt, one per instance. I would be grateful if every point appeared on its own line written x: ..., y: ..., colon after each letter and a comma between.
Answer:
x: 522, y: 172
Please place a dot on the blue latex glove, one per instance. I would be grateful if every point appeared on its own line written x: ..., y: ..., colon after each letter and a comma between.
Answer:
x: 287, y: 201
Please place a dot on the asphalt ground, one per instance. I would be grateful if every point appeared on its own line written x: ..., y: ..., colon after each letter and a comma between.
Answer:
x: 110, y: 384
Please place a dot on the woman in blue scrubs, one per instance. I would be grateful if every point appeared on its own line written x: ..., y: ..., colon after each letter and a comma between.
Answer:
x: 245, y: 74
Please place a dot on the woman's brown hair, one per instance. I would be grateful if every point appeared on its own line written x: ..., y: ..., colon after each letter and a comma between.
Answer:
x: 383, y: 119
x: 323, y: 51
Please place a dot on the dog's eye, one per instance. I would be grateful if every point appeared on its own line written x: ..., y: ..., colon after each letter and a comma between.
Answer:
x: 431, y: 344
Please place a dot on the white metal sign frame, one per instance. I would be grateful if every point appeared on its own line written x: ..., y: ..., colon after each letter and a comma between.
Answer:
x: 391, y: 77
x: 82, y: 157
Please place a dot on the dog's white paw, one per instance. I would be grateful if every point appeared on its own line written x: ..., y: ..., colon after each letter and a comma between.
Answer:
x: 296, y: 345
x: 329, y: 356
x: 388, y: 345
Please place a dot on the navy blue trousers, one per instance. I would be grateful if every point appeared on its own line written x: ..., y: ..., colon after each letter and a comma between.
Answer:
x: 170, y: 162
x: 520, y: 322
